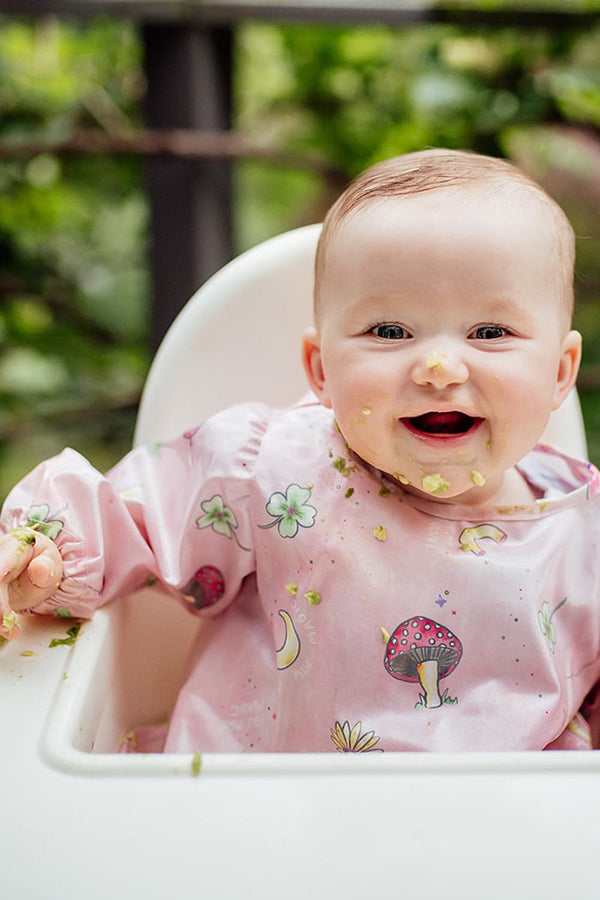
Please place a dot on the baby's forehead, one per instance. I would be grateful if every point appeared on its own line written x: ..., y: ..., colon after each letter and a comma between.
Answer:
x: 411, y: 223
x: 474, y: 199
x: 476, y: 222
x: 492, y: 207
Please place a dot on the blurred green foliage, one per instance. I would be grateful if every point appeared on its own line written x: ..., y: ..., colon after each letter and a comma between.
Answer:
x: 74, y: 283
x: 73, y: 269
x: 354, y: 96
x: 358, y: 95
x: 524, y: 5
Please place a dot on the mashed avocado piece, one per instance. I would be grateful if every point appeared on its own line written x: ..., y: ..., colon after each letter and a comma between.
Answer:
x: 25, y: 536
x: 9, y: 620
x: 435, y: 484
x: 340, y: 464
x: 436, y: 361
x: 477, y: 478
x: 68, y: 641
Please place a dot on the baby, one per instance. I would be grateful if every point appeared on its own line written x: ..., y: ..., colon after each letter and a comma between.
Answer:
x: 394, y: 564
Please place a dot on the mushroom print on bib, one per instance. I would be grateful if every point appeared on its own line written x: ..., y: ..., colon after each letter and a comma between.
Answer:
x: 206, y: 588
x: 422, y: 652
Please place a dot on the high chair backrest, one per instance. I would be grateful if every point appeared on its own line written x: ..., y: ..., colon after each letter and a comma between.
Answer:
x: 238, y: 339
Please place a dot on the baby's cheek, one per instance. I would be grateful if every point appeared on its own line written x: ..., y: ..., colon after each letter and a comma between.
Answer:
x: 364, y: 437
x: 362, y: 416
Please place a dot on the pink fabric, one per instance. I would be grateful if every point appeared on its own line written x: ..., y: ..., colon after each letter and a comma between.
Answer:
x: 364, y: 619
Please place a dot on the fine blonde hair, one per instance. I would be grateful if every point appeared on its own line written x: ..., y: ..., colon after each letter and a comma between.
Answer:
x: 435, y: 170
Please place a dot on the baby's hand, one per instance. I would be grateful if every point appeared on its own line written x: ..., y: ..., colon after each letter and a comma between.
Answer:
x: 30, y: 572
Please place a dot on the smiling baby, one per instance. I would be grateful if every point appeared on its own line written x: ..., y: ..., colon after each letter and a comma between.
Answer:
x: 395, y: 562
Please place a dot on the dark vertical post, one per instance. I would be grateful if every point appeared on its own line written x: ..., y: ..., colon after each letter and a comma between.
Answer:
x: 188, y: 68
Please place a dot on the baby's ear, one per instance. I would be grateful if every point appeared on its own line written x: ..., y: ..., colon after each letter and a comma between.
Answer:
x: 313, y: 365
x: 568, y: 367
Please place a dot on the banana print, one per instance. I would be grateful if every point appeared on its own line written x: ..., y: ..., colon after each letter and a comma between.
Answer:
x: 289, y: 650
x: 469, y: 537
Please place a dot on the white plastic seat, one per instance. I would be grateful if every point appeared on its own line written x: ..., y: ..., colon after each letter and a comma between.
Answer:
x: 238, y: 339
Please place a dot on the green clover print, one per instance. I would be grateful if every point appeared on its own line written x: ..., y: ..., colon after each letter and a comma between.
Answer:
x: 546, y: 624
x: 39, y: 518
x: 290, y: 511
x: 220, y: 518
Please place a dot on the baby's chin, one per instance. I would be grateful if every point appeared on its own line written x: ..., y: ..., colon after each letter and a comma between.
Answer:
x: 446, y: 482
x: 447, y: 485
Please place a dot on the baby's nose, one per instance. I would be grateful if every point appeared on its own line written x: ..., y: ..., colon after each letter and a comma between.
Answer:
x: 440, y: 368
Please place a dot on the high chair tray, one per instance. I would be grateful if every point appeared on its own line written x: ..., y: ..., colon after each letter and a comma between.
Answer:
x: 82, y: 820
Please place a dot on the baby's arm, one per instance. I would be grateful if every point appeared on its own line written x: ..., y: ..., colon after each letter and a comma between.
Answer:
x: 150, y: 519
x: 30, y: 572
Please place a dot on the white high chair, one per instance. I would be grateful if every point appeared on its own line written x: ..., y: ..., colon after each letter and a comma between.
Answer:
x: 82, y: 820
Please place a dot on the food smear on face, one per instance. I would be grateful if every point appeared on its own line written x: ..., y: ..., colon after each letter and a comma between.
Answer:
x: 401, y: 478
x: 435, y: 484
x: 365, y: 411
x: 477, y: 478
x: 436, y: 361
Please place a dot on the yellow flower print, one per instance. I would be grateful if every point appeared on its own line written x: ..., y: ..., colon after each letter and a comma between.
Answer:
x: 352, y: 740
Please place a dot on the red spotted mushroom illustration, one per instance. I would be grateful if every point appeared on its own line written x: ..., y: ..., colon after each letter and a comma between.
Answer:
x: 423, y: 652
x: 206, y: 587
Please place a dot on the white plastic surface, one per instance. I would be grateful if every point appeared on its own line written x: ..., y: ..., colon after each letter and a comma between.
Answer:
x: 237, y: 339
x: 94, y: 825
x: 80, y: 820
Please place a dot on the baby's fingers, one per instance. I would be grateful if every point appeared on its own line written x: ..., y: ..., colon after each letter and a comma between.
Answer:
x: 45, y: 571
x: 30, y: 572
x: 8, y: 620
x: 17, y: 549
x: 40, y: 578
x: 16, y: 552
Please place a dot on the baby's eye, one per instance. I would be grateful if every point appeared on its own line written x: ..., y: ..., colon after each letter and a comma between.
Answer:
x: 389, y: 331
x: 489, y: 333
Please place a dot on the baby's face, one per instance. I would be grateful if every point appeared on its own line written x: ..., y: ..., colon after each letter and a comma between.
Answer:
x: 442, y: 342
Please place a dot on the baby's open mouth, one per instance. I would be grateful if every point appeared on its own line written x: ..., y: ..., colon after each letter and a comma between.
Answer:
x: 442, y: 423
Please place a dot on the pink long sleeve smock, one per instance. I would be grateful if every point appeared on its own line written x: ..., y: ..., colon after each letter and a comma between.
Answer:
x: 346, y: 613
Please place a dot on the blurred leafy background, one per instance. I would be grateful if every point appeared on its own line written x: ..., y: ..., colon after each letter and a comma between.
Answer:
x: 74, y: 279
